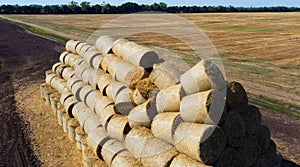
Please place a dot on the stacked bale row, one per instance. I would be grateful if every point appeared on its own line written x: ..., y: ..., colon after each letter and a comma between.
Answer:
x: 123, y: 106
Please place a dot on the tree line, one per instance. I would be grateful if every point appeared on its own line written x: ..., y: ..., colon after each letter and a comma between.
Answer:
x: 130, y: 7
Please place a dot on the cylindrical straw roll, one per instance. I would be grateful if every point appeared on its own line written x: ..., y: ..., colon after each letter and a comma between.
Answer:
x: 142, y: 115
x: 71, y: 82
x: 183, y: 160
x: 89, y: 158
x: 103, y: 82
x: 203, y: 76
x: 137, y: 97
x: 104, y: 44
x: 164, y: 75
x: 169, y: 99
x: 76, y: 88
x: 231, y: 157
x: 77, y: 62
x: 268, y: 157
x: 79, y: 133
x: 90, y: 55
x: 249, y: 148
x: 49, y: 77
x: 91, y: 123
x: 61, y: 60
x: 114, y: 88
x: 124, y: 95
x: 70, y: 59
x: 236, y: 96
x: 118, y: 127
x: 110, y: 149
x: 65, y: 120
x: 135, y: 54
x: 94, y: 78
x: 47, y: 92
x: 136, y: 140
x: 83, y: 114
x: 86, y: 75
x: 42, y: 87
x: 72, y: 125
x: 102, y: 104
x: 80, y: 69
x: 68, y: 73
x: 60, y: 113
x: 125, y: 159
x: 92, y: 98
x: 64, y: 96
x: 96, y: 139
x: 164, y: 125
x: 201, y: 142
x: 69, y: 104
x: 263, y: 135
x: 71, y: 46
x: 128, y: 73
x: 79, y: 47
x: 77, y: 108
x: 234, y: 128
x: 203, y: 107
x: 86, y: 89
x: 106, y: 115
x: 252, y: 119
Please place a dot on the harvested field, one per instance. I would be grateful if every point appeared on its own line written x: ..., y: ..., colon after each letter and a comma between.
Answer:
x: 260, y: 46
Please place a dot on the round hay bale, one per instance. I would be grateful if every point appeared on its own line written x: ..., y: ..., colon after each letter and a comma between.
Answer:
x: 142, y: 115
x: 65, y: 120
x: 124, y: 108
x: 249, y: 148
x: 49, y: 77
x: 86, y: 75
x: 106, y: 115
x: 168, y: 100
x: 85, y: 48
x: 231, y: 157
x: 203, y: 76
x: 103, y: 82
x: 79, y: 133
x: 183, y: 160
x: 90, y: 55
x: 83, y: 114
x: 89, y: 158
x: 79, y: 47
x: 70, y: 59
x: 72, y: 81
x: 263, y: 135
x: 60, y: 113
x: 42, y: 87
x: 234, y: 128
x: 128, y: 73
x: 114, y: 88
x: 118, y: 49
x: 77, y: 62
x: 104, y: 44
x: 91, y: 123
x: 203, y: 107
x: 84, y: 92
x: 71, y: 46
x: 164, y: 75
x: 76, y: 109
x: 157, y: 153
x: 110, y: 149
x: 266, y: 158
x: 47, y: 92
x: 69, y: 104
x: 54, y: 66
x: 60, y: 69
x: 236, y: 96
x: 201, y: 142
x: 80, y: 69
x: 136, y: 139
x: 164, y: 125
x: 96, y: 139
x: 124, y: 95
x: 110, y: 63
x: 118, y: 127
x: 125, y: 159
x: 92, y: 98
x: 72, y: 125
x: 76, y: 89
x: 96, y: 62
x: 102, y: 104
x: 68, y: 73
x: 252, y: 119
x: 94, y: 78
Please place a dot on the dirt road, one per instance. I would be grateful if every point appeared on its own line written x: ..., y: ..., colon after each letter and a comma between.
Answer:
x: 23, y: 59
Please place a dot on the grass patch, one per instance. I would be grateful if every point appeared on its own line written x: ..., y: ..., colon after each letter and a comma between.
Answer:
x: 274, y: 107
x: 43, y: 32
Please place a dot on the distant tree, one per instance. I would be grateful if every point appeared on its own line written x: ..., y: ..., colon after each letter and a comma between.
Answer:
x: 96, y: 9
x: 85, y: 7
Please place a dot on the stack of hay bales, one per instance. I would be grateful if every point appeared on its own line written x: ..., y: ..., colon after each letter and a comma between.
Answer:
x: 123, y: 106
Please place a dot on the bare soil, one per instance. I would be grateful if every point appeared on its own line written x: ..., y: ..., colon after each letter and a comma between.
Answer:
x: 30, y: 135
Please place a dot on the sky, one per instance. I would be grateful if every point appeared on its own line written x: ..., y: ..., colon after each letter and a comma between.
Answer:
x: 237, y: 3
